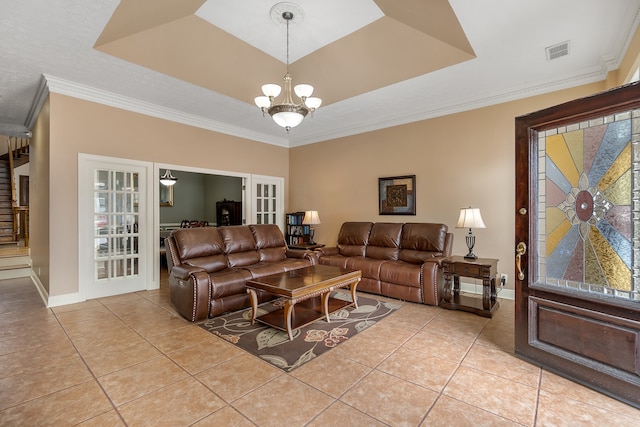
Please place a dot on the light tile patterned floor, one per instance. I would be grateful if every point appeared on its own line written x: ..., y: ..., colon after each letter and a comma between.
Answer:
x: 131, y: 360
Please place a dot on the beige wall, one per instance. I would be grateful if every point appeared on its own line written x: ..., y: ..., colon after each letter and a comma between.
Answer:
x: 84, y: 127
x: 460, y: 160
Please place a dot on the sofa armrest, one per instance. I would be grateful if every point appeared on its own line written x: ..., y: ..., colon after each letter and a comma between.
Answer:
x: 438, y: 260
x: 296, y: 253
x: 303, y: 254
x: 432, y: 281
x: 328, y: 251
x: 190, y: 289
x: 183, y: 271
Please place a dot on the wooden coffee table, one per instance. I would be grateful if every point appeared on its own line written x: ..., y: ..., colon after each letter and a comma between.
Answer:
x: 307, y: 295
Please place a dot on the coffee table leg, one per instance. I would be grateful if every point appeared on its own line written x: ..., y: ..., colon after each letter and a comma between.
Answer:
x: 288, y: 309
x: 254, y: 304
x: 353, y: 293
x: 325, y: 305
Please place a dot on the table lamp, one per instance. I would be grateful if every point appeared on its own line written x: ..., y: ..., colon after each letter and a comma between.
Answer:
x: 311, y: 218
x: 470, y: 218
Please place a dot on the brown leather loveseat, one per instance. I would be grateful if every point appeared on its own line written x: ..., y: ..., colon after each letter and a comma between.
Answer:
x: 208, y: 267
x: 397, y: 260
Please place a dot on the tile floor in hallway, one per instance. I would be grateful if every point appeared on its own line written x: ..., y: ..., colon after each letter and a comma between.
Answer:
x: 131, y: 360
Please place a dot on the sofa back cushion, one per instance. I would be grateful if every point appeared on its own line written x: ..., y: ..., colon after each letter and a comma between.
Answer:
x: 353, y: 238
x: 421, y: 241
x: 269, y: 242
x: 384, y: 241
x: 200, y: 247
x: 239, y: 245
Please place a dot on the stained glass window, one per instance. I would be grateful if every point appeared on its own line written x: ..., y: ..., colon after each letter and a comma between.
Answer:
x: 588, y: 205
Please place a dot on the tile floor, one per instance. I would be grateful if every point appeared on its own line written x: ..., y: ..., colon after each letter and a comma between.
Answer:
x: 130, y: 360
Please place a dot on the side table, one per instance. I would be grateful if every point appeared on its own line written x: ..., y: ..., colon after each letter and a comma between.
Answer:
x: 485, y: 269
x: 307, y: 246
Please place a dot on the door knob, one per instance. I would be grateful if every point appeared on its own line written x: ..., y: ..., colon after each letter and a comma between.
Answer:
x: 521, y: 249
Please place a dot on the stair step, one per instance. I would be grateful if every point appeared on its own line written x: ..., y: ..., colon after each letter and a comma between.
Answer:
x: 13, y: 267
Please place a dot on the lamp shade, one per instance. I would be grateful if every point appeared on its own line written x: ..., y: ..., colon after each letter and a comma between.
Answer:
x: 313, y: 102
x: 271, y: 89
x: 311, y: 218
x: 288, y: 119
x: 303, y: 90
x: 470, y: 218
x: 262, y: 101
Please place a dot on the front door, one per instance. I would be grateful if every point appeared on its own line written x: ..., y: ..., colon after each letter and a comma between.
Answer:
x: 577, y: 249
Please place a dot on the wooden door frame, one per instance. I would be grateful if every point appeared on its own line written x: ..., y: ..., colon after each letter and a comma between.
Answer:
x: 617, y: 383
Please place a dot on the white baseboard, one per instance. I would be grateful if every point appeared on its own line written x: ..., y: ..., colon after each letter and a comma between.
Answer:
x: 44, y: 295
x: 57, y: 300
x: 471, y: 288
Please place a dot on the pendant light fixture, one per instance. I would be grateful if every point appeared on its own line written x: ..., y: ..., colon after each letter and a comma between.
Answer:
x: 168, y: 179
x: 287, y: 113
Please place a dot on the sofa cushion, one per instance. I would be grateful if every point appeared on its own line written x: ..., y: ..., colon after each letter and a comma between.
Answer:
x: 370, y: 267
x: 192, y: 243
x: 424, y: 237
x: 262, y: 269
x: 353, y: 238
x: 335, y: 260
x: 211, y: 264
x: 228, y: 282
x: 237, y: 238
x: 401, y: 273
x: 239, y: 245
x: 269, y: 242
x: 384, y: 241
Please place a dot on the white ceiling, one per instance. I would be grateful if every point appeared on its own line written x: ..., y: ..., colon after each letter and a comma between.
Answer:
x: 56, y: 39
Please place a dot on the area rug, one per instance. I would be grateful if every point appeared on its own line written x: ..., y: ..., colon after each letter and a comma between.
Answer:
x: 308, y: 342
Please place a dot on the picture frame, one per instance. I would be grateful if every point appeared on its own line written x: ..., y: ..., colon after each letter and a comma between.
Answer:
x: 397, y: 195
x: 166, y: 195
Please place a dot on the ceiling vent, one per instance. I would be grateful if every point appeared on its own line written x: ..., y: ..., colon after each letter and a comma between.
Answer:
x: 557, y: 51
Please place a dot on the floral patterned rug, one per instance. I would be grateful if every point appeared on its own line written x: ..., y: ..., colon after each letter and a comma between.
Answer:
x: 310, y: 341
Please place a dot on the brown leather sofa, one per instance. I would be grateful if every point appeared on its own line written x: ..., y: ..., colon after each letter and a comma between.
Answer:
x: 397, y: 260
x: 208, y: 267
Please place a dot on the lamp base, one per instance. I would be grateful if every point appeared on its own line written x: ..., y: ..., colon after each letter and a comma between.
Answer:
x: 471, y: 242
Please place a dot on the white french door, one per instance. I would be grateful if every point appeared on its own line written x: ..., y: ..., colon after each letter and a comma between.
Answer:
x: 268, y: 200
x: 113, y: 226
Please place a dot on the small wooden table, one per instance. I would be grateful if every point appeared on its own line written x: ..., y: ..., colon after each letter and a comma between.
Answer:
x: 308, y: 290
x: 485, y: 269
x: 307, y: 246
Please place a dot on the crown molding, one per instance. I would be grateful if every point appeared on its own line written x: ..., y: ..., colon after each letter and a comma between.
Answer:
x: 99, y: 96
x: 42, y: 92
x: 466, y: 105
x: 65, y: 87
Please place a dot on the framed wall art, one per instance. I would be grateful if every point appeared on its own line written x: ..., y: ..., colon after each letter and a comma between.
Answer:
x: 397, y: 195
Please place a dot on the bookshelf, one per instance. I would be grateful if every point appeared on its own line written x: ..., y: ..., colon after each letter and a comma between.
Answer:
x: 296, y: 233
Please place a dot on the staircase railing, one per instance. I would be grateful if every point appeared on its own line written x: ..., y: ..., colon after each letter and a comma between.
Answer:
x: 17, y: 147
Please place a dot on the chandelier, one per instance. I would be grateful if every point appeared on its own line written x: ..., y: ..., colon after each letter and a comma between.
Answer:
x: 287, y: 114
